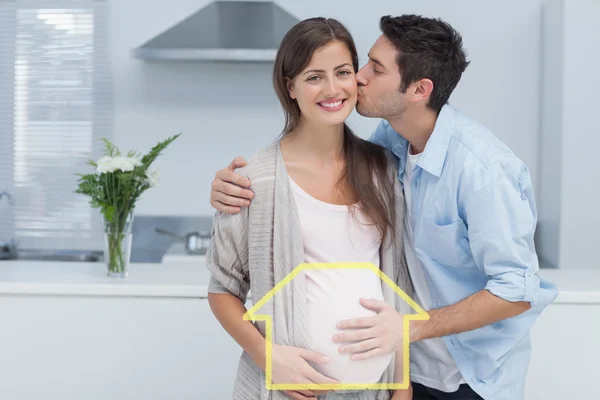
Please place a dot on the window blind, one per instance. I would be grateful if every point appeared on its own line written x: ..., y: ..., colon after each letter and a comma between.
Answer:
x: 55, y: 106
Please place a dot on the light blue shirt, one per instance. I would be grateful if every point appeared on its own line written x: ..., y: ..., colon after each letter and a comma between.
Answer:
x: 474, y: 218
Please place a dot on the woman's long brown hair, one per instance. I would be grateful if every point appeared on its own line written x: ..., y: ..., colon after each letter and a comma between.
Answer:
x: 364, y: 161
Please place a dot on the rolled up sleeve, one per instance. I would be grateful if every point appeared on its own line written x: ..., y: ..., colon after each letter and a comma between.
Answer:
x: 501, y: 217
x: 227, y: 255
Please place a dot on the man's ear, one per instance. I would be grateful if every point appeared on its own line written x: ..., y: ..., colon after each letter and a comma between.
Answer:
x: 290, y: 87
x: 422, y: 89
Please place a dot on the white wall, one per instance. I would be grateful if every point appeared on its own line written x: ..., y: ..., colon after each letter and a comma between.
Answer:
x: 569, y: 177
x: 580, y: 214
x: 222, y: 110
x: 551, y: 127
x: 225, y: 110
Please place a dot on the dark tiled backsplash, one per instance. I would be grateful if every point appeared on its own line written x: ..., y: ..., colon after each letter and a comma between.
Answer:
x: 149, y: 246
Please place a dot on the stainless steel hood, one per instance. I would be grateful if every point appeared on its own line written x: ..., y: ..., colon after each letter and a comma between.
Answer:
x: 223, y: 31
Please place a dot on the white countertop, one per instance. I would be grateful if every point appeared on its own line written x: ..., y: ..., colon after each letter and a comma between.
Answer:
x: 575, y: 286
x: 188, y: 277
x: 89, y: 279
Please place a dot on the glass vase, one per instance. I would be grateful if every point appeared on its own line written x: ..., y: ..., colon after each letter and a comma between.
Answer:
x: 117, y: 244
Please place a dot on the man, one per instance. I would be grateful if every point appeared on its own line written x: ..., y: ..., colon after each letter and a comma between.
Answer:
x: 471, y: 218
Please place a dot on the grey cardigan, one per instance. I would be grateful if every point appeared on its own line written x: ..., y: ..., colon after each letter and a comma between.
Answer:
x: 260, y: 245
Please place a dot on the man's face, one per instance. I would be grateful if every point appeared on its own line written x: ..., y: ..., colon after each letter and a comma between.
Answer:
x: 379, y: 93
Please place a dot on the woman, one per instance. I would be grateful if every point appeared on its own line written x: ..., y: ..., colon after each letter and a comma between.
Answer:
x: 316, y: 200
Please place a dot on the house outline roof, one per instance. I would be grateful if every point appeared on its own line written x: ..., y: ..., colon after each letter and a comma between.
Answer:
x: 251, y: 314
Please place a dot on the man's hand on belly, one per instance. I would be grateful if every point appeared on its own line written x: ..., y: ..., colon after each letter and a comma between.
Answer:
x: 373, y: 336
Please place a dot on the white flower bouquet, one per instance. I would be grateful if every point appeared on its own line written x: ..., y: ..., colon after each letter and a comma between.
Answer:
x: 114, y: 188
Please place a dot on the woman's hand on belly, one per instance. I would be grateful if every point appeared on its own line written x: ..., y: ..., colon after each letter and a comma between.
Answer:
x: 290, y: 367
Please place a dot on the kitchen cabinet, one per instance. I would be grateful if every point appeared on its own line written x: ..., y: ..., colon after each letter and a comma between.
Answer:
x: 70, y: 333
x: 566, y: 340
x: 566, y: 347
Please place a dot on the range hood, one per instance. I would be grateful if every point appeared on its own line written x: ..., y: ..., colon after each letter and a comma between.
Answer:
x: 223, y: 31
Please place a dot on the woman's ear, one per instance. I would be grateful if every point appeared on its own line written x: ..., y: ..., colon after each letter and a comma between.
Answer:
x: 290, y: 87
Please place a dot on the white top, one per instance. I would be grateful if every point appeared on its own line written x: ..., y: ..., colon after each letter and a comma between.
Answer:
x: 431, y: 363
x: 331, y: 233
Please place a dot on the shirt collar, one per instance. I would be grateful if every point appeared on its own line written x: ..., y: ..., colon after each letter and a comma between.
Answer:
x: 433, y: 156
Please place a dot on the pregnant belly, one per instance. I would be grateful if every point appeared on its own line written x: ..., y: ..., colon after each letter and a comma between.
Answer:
x: 322, y: 318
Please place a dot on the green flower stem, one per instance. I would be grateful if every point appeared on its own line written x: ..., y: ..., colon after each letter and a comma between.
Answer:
x: 116, y: 234
x: 116, y: 263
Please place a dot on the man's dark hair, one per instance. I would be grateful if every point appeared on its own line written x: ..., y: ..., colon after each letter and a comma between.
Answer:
x: 427, y: 48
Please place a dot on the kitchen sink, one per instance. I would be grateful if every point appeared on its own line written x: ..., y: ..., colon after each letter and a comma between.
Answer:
x: 57, y: 255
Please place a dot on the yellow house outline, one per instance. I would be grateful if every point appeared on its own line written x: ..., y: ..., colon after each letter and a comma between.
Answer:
x: 251, y: 314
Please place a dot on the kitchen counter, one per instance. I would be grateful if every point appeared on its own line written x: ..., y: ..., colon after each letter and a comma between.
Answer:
x: 181, y: 275
x: 154, y: 336
x: 575, y: 286
x: 89, y: 279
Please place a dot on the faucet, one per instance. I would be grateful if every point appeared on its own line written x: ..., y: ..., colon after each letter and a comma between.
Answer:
x: 8, y: 196
x: 7, y: 249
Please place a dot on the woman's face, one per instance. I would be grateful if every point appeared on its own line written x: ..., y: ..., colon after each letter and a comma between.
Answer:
x: 326, y: 89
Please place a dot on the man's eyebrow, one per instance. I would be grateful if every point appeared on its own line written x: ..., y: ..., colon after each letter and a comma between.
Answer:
x: 322, y: 71
x: 376, y: 61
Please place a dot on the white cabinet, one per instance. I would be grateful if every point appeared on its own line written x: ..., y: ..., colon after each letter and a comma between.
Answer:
x: 67, y: 332
x: 566, y: 349
x: 566, y: 339
x: 113, y: 348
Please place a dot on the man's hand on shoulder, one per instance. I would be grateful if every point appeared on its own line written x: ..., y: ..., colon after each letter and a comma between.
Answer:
x: 229, y: 189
